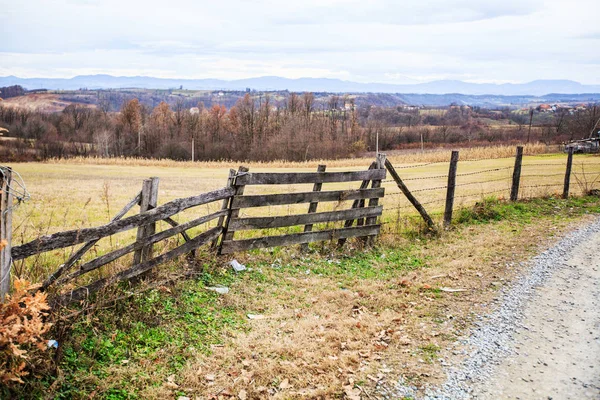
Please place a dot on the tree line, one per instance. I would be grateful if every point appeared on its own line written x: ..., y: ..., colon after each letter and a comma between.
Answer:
x: 260, y: 128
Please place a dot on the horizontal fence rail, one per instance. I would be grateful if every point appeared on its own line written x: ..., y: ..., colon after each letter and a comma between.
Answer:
x: 263, y: 200
x: 299, y: 238
x: 76, y: 236
x: 268, y: 178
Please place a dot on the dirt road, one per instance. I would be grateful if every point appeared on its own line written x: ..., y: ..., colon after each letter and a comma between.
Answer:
x: 557, y: 349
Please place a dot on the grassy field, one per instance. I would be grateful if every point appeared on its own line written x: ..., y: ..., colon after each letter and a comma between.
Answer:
x: 84, y: 193
x: 332, y: 323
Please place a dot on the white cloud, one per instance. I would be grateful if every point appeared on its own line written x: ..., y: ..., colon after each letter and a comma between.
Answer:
x: 375, y: 41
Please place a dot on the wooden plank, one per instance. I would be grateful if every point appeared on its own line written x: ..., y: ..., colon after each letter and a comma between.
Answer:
x: 6, y: 205
x: 450, y: 188
x: 79, y: 253
x: 413, y: 200
x: 286, y: 178
x: 373, y: 202
x: 242, y: 224
x: 357, y: 204
x: 232, y: 246
x: 69, y: 238
x: 113, y: 255
x: 312, y: 207
x: 148, y: 201
x: 136, y: 270
x: 304, y: 197
x: 233, y: 213
x: 225, y: 204
x: 514, y: 190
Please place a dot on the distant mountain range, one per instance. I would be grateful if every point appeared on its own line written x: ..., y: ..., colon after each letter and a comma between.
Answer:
x: 535, y: 88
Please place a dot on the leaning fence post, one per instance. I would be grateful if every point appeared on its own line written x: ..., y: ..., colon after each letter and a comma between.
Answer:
x: 514, y: 191
x: 233, y: 213
x: 5, y: 231
x: 410, y: 196
x: 148, y: 200
x: 568, y: 174
x: 451, y: 188
x: 312, y: 208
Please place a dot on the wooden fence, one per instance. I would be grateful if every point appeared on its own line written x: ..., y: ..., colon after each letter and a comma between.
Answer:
x: 361, y: 219
x: 228, y: 222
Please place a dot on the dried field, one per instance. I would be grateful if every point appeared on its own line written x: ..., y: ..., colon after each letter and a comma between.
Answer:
x: 87, y: 192
x: 332, y: 324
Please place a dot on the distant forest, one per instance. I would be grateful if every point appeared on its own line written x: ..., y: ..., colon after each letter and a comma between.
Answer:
x: 255, y: 126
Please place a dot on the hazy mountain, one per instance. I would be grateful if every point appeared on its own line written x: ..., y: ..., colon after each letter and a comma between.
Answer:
x: 536, y: 88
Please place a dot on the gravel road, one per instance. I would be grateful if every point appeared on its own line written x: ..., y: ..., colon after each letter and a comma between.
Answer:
x: 543, y: 340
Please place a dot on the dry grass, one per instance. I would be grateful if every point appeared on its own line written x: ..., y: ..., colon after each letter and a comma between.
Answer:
x: 397, y: 157
x: 72, y: 194
x: 323, y: 332
x: 330, y: 321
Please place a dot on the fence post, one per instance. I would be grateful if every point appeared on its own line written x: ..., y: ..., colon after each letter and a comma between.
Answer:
x: 225, y: 205
x: 148, y: 200
x: 410, y: 196
x: 233, y: 213
x: 6, y: 201
x: 376, y: 183
x: 312, y: 208
x: 568, y: 174
x: 514, y: 191
x: 451, y: 188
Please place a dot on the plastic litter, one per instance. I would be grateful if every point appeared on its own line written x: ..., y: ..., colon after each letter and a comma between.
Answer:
x: 219, y: 289
x: 53, y: 343
x: 237, y: 267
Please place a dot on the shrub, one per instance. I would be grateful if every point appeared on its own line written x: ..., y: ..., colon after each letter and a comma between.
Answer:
x: 22, y: 325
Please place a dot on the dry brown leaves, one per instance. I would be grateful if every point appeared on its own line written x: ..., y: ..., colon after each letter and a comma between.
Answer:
x: 22, y: 325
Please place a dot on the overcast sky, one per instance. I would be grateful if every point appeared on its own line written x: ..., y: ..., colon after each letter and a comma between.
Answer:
x: 364, y: 41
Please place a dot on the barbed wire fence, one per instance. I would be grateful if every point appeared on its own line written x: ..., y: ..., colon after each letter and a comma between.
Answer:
x: 534, y: 180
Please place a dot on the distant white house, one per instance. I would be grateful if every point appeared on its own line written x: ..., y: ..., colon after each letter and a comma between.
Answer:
x: 194, y: 110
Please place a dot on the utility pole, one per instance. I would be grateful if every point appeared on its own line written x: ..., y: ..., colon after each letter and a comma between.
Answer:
x: 530, y: 121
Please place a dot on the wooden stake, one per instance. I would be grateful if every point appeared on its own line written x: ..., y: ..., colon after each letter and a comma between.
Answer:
x: 6, y: 203
x: 451, y: 188
x: 410, y: 196
x: 514, y: 191
x: 312, y: 208
x: 148, y: 200
x: 568, y: 174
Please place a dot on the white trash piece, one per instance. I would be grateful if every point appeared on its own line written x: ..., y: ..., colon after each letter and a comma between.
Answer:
x: 53, y: 343
x: 237, y: 267
x: 219, y: 289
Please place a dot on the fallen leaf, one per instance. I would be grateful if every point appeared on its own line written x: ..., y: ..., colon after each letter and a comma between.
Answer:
x: 243, y: 395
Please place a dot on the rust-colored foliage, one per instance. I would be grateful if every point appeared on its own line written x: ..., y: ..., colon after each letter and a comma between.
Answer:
x: 22, y: 325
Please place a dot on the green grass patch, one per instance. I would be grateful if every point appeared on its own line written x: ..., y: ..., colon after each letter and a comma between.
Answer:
x: 491, y: 209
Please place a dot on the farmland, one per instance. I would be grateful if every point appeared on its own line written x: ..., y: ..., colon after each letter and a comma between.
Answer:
x: 331, y: 321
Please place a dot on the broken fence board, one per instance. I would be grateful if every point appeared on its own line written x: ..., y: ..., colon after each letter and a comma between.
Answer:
x: 304, y: 197
x: 241, y: 224
x: 298, y: 238
x: 84, y: 249
x: 72, y: 237
x: 286, y: 178
x: 113, y: 255
x: 83, y: 292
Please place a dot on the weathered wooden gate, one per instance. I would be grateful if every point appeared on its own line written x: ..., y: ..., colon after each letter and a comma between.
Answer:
x: 366, y: 217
